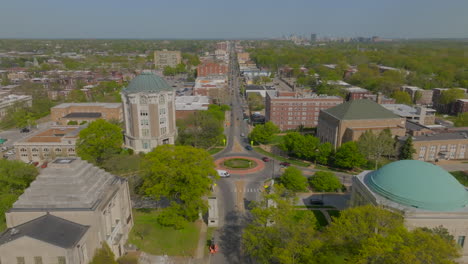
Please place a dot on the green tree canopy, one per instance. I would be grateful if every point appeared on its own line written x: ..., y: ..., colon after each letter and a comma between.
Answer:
x: 348, y: 156
x: 263, y: 133
x: 99, y: 141
x: 375, y: 147
x: 278, y: 233
x: 402, y: 97
x: 293, y: 179
x: 324, y: 181
x: 407, y: 150
x: 255, y: 102
x: 461, y: 120
x: 451, y: 95
x: 181, y: 174
x: 104, y: 255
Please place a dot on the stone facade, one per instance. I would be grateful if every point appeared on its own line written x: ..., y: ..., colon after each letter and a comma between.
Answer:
x: 77, y: 192
x: 163, y: 58
x: 448, y: 146
x: 79, y: 112
x: 149, y: 119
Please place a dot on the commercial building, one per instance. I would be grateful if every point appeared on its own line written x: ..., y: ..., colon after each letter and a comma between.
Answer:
x: 258, y: 89
x: 149, y: 113
x: 421, y: 115
x: 431, y: 146
x: 210, y: 86
x: 163, y: 58
x: 187, y: 105
x: 66, y: 214
x: 348, y: 121
x: 211, y: 68
x: 7, y: 101
x: 46, y: 145
x: 62, y: 114
x: 425, y: 96
x: 425, y: 194
x: 289, y: 110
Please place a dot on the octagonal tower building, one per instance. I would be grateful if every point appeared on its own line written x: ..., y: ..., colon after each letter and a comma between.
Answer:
x: 149, y: 113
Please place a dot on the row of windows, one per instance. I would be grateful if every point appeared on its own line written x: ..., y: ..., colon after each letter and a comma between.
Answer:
x: 316, y: 109
x: 38, y: 260
x: 146, y: 132
x: 433, y: 151
x: 294, y: 113
x: 297, y: 118
x: 144, y: 99
x: 306, y: 103
x: 46, y: 150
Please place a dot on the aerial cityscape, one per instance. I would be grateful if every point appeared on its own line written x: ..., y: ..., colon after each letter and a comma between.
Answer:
x: 233, y: 132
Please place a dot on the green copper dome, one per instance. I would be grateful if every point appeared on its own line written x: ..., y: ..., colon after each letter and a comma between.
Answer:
x: 418, y: 184
x: 147, y: 82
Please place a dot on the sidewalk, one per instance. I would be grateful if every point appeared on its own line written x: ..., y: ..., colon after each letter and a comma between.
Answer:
x: 200, y: 253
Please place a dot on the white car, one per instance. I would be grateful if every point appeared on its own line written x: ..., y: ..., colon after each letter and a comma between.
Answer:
x: 223, y: 173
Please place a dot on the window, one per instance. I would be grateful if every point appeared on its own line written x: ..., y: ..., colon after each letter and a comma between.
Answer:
x: 146, y: 144
x: 145, y: 132
x: 422, y: 152
x: 37, y: 260
x: 143, y: 100
x: 143, y: 113
x: 162, y: 111
x: 144, y: 122
x: 71, y: 150
x: 162, y: 99
x: 45, y: 150
x: 461, y: 241
x: 20, y: 260
x: 163, y: 130
x: 162, y: 120
x: 61, y: 260
x: 58, y: 150
x: 35, y: 150
x: 23, y: 150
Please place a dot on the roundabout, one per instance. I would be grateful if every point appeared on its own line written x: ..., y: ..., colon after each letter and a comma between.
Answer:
x: 240, y: 164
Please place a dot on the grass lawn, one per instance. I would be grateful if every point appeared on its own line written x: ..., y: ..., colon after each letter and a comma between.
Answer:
x: 277, y: 139
x: 461, y: 177
x: 158, y: 240
x: 239, y: 163
x: 322, y: 221
x: 215, y: 150
x: 334, y: 213
x: 292, y: 161
x: 316, y: 206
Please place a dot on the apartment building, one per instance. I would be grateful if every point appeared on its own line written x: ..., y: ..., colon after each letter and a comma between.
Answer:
x: 425, y: 96
x: 8, y: 101
x: 289, y: 110
x: 163, y: 58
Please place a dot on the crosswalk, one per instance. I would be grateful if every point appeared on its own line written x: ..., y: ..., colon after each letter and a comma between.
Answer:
x: 245, y: 190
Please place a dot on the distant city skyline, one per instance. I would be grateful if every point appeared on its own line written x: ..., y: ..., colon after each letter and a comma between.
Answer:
x: 210, y: 19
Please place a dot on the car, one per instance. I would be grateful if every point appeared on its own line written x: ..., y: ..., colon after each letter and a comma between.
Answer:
x: 10, y: 152
x: 285, y: 164
x: 25, y: 130
x: 248, y: 147
x: 44, y: 165
x: 35, y: 163
x: 266, y: 159
x: 242, y: 135
x: 316, y: 202
x: 223, y: 173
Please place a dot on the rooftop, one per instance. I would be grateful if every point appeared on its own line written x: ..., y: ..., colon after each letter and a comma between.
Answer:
x: 83, y: 115
x: 441, y: 136
x: 406, y: 110
x: 360, y: 109
x: 47, y: 228
x: 417, y: 184
x: 69, y: 183
x: 105, y: 105
x: 414, y: 88
x: 192, y: 102
x: 355, y: 89
x: 54, y: 134
x: 147, y: 82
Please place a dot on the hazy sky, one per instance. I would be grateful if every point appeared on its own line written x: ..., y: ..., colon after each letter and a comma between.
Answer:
x: 232, y: 19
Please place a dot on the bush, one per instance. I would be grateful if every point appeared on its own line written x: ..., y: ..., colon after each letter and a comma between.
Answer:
x: 293, y: 180
x: 72, y: 123
x: 324, y: 181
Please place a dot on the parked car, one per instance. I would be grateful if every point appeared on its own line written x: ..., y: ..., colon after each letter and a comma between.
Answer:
x: 223, y: 173
x: 266, y: 159
x: 44, y: 165
x: 248, y: 147
x: 285, y: 164
x: 25, y: 130
x: 35, y: 163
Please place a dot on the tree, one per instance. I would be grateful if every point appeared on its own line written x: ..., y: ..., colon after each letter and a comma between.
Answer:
x: 291, y: 238
x: 255, y: 102
x: 263, y: 133
x: 99, y: 141
x: 324, y: 153
x: 348, y: 156
x: 374, y: 147
x: 324, y: 181
x: 293, y: 180
x: 451, y: 95
x: 407, y: 150
x: 461, y: 120
x: 417, y: 96
x: 104, y: 255
x: 402, y: 97
x: 181, y: 174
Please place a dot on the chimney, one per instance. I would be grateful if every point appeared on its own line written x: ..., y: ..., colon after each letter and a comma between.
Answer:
x: 378, y: 99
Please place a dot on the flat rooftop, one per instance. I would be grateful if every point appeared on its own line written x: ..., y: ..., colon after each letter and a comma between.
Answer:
x: 54, y: 134
x: 459, y: 135
x: 83, y: 115
x: 105, y: 105
x: 66, y: 183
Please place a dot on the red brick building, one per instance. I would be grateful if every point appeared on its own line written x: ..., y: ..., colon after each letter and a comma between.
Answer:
x: 289, y: 110
x: 211, y: 68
